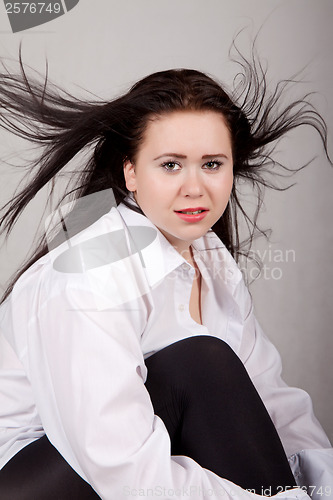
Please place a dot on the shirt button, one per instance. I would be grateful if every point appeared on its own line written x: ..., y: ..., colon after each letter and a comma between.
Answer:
x: 185, y: 266
x: 181, y: 307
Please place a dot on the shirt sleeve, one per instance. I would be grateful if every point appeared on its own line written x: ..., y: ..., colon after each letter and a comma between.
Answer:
x: 87, y: 373
x: 305, y: 442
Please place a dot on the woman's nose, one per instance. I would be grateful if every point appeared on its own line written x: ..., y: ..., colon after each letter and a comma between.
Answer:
x: 192, y: 184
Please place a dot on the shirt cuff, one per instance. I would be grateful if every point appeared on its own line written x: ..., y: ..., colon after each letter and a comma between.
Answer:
x: 313, y: 472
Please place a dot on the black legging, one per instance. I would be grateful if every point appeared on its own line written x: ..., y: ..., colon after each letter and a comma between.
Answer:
x: 202, y: 392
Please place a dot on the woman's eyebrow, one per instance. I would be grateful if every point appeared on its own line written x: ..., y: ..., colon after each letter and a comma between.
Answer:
x: 204, y: 157
x: 174, y: 155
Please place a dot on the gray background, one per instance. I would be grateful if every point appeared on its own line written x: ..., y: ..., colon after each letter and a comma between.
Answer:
x: 106, y: 45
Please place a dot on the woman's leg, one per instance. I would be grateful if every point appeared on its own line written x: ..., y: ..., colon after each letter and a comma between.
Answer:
x: 202, y: 392
x: 213, y: 413
x: 39, y: 472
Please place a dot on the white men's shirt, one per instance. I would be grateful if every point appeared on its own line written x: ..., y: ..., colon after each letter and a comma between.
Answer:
x: 73, y: 338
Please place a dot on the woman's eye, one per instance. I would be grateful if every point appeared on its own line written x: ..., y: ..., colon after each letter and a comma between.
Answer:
x: 212, y: 165
x: 170, y: 166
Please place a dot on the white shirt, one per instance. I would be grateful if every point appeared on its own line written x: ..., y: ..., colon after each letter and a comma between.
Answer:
x: 73, y: 338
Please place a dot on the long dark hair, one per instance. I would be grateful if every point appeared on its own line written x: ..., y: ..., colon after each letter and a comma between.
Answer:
x: 112, y: 132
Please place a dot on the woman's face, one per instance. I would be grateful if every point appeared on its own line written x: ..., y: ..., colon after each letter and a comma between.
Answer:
x: 184, y: 164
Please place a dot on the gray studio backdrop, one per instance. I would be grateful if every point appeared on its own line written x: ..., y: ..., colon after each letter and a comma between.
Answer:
x: 105, y: 45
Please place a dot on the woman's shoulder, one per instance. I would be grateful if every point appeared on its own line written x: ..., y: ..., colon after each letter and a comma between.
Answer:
x: 91, y: 261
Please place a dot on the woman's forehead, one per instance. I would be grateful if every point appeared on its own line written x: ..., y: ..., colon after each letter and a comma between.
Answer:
x: 205, y: 129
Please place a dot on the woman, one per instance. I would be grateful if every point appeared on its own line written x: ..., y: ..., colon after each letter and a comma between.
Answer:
x: 132, y: 357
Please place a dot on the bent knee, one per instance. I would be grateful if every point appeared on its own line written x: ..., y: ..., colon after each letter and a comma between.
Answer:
x: 195, y: 358
x: 208, y: 355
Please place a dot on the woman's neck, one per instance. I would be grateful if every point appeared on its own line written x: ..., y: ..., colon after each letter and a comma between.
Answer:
x: 187, y: 253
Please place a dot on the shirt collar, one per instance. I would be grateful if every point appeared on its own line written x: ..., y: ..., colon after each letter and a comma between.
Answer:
x: 160, y: 258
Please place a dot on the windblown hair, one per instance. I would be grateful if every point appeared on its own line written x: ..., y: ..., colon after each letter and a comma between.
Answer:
x: 112, y: 132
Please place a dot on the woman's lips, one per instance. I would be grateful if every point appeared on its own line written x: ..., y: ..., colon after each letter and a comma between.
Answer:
x: 195, y: 214
x: 192, y: 209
